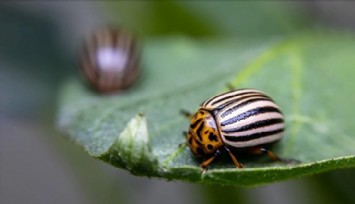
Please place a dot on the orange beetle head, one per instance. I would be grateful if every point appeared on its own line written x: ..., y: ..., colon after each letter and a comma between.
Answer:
x: 203, y: 137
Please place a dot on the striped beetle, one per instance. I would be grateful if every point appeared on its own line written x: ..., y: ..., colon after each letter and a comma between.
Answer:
x: 109, y: 59
x: 242, y: 119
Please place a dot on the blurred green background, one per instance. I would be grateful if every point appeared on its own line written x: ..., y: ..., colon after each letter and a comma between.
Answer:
x: 38, y: 50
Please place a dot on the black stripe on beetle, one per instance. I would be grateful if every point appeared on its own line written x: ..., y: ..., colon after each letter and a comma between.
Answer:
x: 249, y: 113
x: 255, y: 125
x: 235, y: 96
x: 254, y: 136
x: 246, y: 102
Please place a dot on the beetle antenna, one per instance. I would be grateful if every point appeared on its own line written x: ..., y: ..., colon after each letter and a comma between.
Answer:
x: 230, y: 86
x: 185, y: 113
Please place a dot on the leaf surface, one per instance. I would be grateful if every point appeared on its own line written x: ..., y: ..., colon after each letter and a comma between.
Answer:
x: 310, y: 76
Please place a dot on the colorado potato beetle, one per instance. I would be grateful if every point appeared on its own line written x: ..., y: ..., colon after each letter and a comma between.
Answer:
x: 109, y: 59
x: 242, y: 119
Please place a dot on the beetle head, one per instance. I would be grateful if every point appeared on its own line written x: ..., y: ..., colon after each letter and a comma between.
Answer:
x: 203, y: 137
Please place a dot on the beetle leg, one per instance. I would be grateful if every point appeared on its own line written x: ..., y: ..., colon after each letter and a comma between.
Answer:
x: 208, y: 161
x: 269, y: 153
x: 234, y: 159
x: 205, y: 163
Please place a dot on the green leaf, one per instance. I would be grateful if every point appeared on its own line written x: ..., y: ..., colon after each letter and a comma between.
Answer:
x: 310, y: 76
x: 210, y: 18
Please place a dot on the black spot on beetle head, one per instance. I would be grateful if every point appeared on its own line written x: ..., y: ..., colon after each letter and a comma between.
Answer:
x: 212, y: 137
x: 210, y: 147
